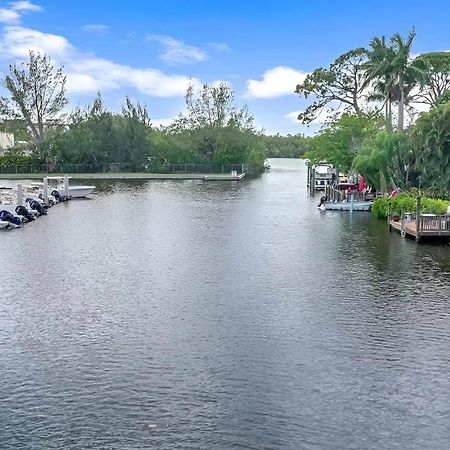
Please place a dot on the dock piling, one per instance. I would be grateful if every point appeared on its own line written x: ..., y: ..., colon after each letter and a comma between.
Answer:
x: 19, y: 195
x: 45, y: 191
x: 66, y: 186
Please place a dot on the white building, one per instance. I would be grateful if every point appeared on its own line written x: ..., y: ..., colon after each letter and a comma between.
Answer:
x: 6, y: 141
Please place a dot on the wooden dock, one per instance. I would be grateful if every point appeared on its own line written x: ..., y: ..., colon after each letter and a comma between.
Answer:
x: 429, y: 226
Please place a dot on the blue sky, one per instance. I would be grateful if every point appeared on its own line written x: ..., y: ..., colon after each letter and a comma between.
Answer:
x: 148, y: 49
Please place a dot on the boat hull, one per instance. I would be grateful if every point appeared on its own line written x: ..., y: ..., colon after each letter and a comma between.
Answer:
x: 347, y: 206
x: 77, y: 191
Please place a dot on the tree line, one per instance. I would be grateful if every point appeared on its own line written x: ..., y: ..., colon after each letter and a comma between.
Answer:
x: 214, y: 130
x: 367, y: 93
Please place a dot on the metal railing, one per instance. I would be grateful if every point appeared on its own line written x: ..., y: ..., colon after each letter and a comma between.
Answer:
x: 124, y: 168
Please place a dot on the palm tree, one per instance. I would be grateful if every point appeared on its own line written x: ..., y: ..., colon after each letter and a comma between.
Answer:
x: 402, y: 68
x: 393, y: 73
x: 379, y: 75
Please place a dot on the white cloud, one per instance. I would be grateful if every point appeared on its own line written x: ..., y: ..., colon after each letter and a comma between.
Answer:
x: 88, y: 73
x: 12, y: 15
x: 96, y: 28
x: 17, y: 41
x: 175, y: 51
x: 25, y: 6
x: 102, y: 74
x: 9, y: 16
x: 276, y: 82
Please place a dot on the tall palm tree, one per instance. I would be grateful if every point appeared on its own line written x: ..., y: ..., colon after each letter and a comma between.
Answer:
x: 392, y: 70
x: 402, y: 68
x: 379, y: 75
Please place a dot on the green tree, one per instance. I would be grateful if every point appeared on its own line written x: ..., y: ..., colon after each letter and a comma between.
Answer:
x: 392, y: 70
x: 380, y: 77
x: 286, y: 146
x: 37, y: 94
x: 339, y: 143
x: 435, y: 80
x: 402, y: 68
x: 385, y: 154
x: 430, y: 138
x: 209, y: 111
x: 137, y: 112
x: 342, y: 84
x: 443, y: 98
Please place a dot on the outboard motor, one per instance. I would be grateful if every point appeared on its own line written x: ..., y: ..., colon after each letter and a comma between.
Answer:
x: 51, y: 202
x: 6, y: 216
x: 34, y: 204
x: 22, y: 211
x: 57, y: 195
x: 323, y: 199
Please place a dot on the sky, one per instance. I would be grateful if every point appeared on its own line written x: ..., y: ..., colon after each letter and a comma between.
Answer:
x: 150, y: 50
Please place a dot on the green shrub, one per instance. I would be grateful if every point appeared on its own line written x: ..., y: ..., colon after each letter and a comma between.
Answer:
x: 433, y: 206
x: 380, y: 207
x: 405, y: 202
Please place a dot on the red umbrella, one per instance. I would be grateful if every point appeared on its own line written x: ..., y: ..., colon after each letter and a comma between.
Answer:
x: 361, y: 184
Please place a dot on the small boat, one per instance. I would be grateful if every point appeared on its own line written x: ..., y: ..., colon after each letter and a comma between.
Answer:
x: 57, y: 184
x: 347, y: 205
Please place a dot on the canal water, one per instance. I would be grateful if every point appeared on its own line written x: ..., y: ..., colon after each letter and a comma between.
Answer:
x: 221, y: 315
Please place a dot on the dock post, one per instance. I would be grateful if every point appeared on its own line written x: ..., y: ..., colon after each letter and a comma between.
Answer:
x: 402, y: 223
x: 418, y: 217
x: 19, y: 195
x: 312, y: 186
x: 351, y: 203
x: 66, y: 186
x: 45, y: 191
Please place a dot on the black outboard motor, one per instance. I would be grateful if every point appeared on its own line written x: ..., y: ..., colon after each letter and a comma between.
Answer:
x: 6, y: 216
x: 22, y: 211
x: 34, y: 204
x: 57, y: 195
x: 323, y: 199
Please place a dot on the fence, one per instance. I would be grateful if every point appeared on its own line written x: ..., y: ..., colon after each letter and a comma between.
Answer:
x: 124, y: 168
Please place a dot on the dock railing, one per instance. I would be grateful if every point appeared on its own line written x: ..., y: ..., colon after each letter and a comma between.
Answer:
x: 435, y: 225
x: 420, y: 225
x: 337, y: 195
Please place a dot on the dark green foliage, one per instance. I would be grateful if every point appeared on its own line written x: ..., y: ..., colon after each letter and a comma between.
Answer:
x: 12, y: 158
x: 406, y: 202
x: 215, y: 131
x: 387, y: 154
x: 97, y: 137
x: 341, y: 141
x: 286, y: 146
x: 430, y: 140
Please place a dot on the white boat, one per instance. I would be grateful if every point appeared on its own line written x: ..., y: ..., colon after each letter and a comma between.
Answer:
x: 57, y: 184
x: 346, y: 206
